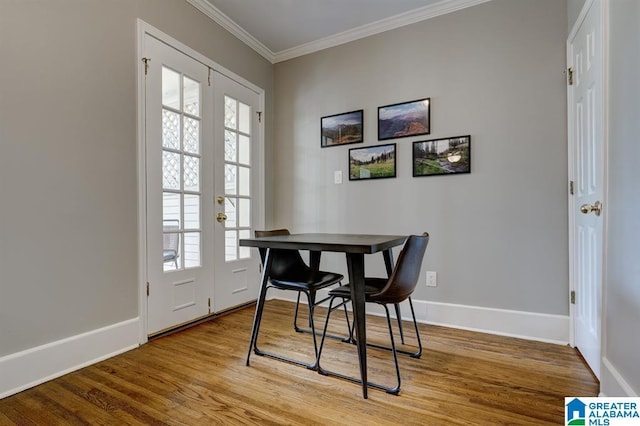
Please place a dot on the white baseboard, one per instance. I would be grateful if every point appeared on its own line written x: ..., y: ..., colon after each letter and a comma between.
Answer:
x: 28, y: 368
x: 525, y: 325
x: 612, y: 384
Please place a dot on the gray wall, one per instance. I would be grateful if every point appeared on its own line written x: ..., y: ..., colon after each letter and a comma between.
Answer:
x: 494, y: 71
x: 622, y: 286
x: 68, y: 182
x: 573, y: 10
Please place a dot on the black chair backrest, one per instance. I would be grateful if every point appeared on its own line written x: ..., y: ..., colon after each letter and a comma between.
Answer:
x: 405, y: 275
x: 286, y: 264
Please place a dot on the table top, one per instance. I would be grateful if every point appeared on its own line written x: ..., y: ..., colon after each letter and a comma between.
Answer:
x: 346, y: 243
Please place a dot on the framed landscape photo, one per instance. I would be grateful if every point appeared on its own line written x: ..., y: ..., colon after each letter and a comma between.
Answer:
x: 442, y: 156
x: 372, y: 162
x: 341, y: 129
x: 404, y: 119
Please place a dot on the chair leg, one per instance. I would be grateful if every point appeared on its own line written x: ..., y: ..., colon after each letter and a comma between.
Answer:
x: 417, y: 354
x: 399, y: 319
x: 349, y: 338
x: 311, y: 366
x: 324, y: 334
x: 253, y: 344
x: 308, y: 330
x: 393, y: 391
x: 295, y: 317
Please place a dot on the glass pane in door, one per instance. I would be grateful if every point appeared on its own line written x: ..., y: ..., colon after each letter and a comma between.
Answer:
x: 181, y: 171
x: 237, y: 174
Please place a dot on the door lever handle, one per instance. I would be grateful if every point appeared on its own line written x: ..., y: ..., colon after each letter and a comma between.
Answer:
x: 595, y: 208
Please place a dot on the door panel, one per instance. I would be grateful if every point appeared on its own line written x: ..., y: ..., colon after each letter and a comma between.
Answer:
x: 238, y: 192
x: 586, y: 59
x: 179, y: 187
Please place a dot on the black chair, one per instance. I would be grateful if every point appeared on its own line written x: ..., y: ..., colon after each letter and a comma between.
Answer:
x: 170, y: 241
x: 290, y: 272
x: 395, y: 290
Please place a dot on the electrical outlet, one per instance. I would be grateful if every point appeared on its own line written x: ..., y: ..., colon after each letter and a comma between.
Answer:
x: 432, y: 279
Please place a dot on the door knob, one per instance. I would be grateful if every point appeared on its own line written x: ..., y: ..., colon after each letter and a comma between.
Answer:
x: 595, y: 208
x: 221, y: 217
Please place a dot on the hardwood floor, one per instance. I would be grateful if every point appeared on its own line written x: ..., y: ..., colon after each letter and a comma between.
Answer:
x: 198, y: 377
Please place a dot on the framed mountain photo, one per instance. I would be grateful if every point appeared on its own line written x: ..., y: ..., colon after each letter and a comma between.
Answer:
x: 404, y: 119
x: 341, y: 129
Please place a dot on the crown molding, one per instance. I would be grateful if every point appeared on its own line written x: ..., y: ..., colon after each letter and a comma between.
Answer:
x: 421, y: 14
x: 225, y: 22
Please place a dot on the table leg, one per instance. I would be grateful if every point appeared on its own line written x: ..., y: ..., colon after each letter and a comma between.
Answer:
x: 314, y: 260
x: 355, y: 265
x: 266, y: 269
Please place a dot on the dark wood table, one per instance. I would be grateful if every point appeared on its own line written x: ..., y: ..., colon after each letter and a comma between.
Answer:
x: 355, y: 246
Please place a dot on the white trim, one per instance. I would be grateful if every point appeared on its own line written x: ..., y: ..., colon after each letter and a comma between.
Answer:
x: 411, y: 17
x: 525, y: 325
x: 612, y: 383
x: 34, y: 366
x: 571, y: 173
x: 142, y: 184
x: 228, y: 24
x: 580, y: 19
x: 539, y: 327
x: 421, y: 14
x: 144, y: 29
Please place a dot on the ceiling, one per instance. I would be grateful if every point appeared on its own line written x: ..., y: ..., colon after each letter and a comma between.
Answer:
x: 283, y: 29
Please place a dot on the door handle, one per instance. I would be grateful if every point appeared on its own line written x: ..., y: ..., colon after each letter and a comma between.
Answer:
x: 221, y: 217
x: 595, y: 208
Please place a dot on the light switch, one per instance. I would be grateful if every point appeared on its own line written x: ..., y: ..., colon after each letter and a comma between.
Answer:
x: 337, y: 177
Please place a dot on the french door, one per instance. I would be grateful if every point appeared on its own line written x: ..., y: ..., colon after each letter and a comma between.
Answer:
x: 201, y: 196
x: 586, y: 105
x: 238, y: 192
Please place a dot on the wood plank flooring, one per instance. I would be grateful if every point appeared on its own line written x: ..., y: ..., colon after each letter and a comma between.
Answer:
x: 198, y: 377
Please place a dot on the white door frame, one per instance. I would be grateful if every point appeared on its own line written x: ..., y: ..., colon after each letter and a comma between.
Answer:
x: 572, y: 154
x: 143, y: 29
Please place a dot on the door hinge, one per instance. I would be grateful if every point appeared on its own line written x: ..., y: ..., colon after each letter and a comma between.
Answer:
x: 209, y: 77
x: 573, y: 297
x: 146, y: 65
x: 571, y: 187
x: 570, y: 76
x: 209, y: 304
x: 147, y: 289
x: 259, y: 116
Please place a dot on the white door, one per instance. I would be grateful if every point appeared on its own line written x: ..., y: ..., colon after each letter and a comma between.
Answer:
x: 585, y: 58
x: 179, y: 187
x: 238, y: 188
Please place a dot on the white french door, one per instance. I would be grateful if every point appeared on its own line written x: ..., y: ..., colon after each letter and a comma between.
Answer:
x: 238, y: 188
x: 586, y: 121
x: 203, y: 185
x: 179, y: 193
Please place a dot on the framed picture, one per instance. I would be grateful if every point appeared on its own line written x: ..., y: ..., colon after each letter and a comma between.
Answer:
x: 405, y: 119
x: 372, y: 162
x: 442, y: 156
x: 341, y: 129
